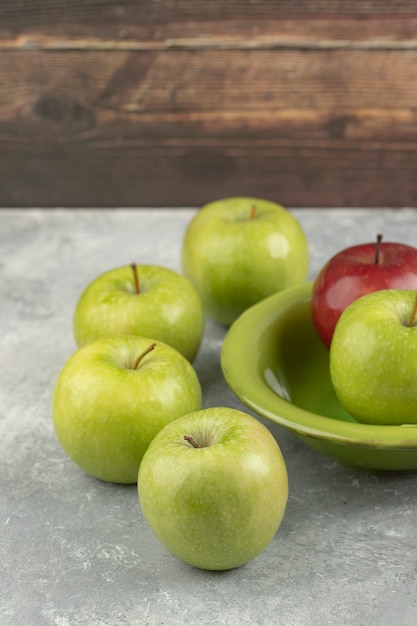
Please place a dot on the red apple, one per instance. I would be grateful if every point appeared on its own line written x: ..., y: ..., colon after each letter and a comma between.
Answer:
x: 355, y: 271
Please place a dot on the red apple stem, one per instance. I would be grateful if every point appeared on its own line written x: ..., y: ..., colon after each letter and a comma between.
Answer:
x: 142, y: 355
x: 252, y: 212
x: 135, y: 277
x: 191, y: 441
x: 413, y: 313
x: 378, y: 247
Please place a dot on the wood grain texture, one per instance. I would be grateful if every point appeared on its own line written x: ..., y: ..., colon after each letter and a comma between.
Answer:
x: 162, y: 103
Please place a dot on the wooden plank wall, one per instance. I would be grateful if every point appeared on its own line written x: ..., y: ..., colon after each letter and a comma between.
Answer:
x: 178, y: 102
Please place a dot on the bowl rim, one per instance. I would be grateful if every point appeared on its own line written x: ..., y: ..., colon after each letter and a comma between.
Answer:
x: 241, y: 340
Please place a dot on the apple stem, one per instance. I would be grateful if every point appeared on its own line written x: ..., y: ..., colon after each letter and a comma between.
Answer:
x: 191, y: 441
x: 413, y: 313
x: 143, y: 354
x: 135, y: 277
x: 378, y: 248
x: 252, y: 212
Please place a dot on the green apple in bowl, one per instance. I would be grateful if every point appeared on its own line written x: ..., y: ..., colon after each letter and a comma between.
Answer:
x: 144, y: 300
x: 213, y: 487
x: 237, y: 251
x: 113, y: 396
x: 373, y: 358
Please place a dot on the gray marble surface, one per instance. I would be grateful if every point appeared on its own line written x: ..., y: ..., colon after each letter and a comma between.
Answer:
x: 75, y: 551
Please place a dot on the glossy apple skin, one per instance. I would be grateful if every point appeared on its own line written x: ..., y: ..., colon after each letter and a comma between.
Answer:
x: 373, y: 358
x: 234, y: 261
x: 353, y: 273
x: 215, y: 507
x: 168, y: 308
x: 105, y: 413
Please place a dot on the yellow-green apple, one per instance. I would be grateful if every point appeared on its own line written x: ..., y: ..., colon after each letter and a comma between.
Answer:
x: 213, y: 487
x: 144, y: 300
x: 237, y: 251
x: 356, y: 271
x: 373, y: 357
x: 113, y: 396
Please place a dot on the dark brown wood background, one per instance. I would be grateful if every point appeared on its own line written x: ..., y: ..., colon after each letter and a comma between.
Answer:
x: 179, y: 102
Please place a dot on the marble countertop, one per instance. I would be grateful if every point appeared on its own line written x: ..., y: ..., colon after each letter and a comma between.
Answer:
x: 76, y: 551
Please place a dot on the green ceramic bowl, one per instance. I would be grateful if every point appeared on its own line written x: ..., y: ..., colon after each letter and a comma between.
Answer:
x: 274, y: 362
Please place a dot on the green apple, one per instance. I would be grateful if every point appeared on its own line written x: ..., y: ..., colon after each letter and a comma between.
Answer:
x: 113, y: 396
x: 373, y: 358
x: 213, y: 487
x: 144, y: 300
x: 237, y: 251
